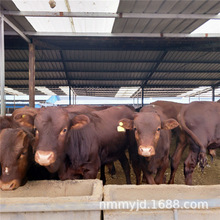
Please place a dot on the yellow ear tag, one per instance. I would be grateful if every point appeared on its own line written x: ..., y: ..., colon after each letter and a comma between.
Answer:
x: 23, y: 116
x: 121, y: 129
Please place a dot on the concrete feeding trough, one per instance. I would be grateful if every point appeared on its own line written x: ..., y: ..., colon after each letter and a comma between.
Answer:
x: 70, y: 199
x: 161, y: 202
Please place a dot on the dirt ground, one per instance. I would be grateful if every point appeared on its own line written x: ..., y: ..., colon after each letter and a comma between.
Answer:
x: 210, y: 175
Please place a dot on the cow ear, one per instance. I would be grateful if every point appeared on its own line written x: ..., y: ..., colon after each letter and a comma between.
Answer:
x: 125, y: 124
x: 80, y: 121
x: 169, y: 124
x: 25, y: 120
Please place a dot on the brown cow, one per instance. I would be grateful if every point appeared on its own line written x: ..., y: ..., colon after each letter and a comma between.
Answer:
x: 76, y: 145
x: 151, y: 127
x: 17, y: 159
x: 15, y: 151
x: 24, y: 117
x: 171, y: 110
x: 201, y: 122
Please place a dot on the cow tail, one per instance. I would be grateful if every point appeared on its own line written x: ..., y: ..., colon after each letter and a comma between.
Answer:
x: 202, y: 156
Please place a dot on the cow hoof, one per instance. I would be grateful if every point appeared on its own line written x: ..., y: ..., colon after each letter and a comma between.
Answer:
x: 203, y: 162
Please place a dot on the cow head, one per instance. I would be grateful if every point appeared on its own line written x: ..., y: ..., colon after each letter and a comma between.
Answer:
x: 24, y: 117
x: 147, y: 127
x: 51, y: 128
x: 15, y: 153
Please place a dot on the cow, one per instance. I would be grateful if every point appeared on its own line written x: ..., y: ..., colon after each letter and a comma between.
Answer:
x: 24, y: 117
x: 201, y: 122
x: 17, y: 159
x: 151, y: 129
x: 77, y: 144
x: 15, y: 151
x: 171, y: 110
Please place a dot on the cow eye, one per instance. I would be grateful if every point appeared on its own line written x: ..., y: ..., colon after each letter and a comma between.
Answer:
x: 63, y: 131
x: 22, y: 154
x: 158, y: 129
x: 36, y: 131
x: 135, y: 129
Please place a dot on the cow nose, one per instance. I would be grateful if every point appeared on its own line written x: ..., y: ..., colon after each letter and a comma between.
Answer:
x: 14, y: 184
x: 44, y: 158
x: 146, y: 151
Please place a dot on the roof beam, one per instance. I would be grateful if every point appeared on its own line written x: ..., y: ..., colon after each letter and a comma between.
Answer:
x: 115, y: 79
x: 65, y: 69
x: 117, y: 61
x: 127, y: 35
x: 104, y: 86
x: 154, y: 69
x: 114, y: 71
x: 110, y: 15
x: 17, y: 30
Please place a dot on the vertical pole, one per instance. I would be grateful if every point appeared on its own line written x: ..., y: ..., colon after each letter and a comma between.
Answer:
x: 31, y: 75
x: 2, y: 64
x: 14, y: 102
x: 213, y: 93
x: 142, y: 96
x: 69, y: 95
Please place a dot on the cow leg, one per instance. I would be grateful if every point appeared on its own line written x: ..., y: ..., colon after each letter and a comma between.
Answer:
x: 111, y: 170
x: 150, y: 178
x: 189, y: 166
x: 175, y: 160
x: 160, y: 177
x: 102, y: 177
x: 126, y: 167
x: 137, y: 170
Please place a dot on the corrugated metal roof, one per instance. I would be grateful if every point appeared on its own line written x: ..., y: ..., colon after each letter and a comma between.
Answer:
x: 101, y: 65
x: 163, y: 7
x: 113, y: 69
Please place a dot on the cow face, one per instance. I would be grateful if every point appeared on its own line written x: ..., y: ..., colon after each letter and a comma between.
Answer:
x: 51, y: 127
x: 147, y: 127
x: 14, y: 157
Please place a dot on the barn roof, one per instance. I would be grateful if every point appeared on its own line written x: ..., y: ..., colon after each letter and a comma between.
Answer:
x: 146, y: 48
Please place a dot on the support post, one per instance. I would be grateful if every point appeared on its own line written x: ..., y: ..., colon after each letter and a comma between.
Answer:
x: 2, y: 64
x: 213, y: 93
x: 142, y: 96
x: 69, y: 95
x: 31, y: 75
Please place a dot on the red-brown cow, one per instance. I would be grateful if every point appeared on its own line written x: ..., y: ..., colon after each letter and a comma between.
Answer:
x: 171, y: 110
x: 24, y: 117
x: 17, y: 159
x: 76, y: 145
x: 201, y: 122
x: 15, y: 151
x: 151, y: 128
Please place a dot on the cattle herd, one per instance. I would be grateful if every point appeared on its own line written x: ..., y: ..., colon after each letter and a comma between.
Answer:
x: 76, y: 142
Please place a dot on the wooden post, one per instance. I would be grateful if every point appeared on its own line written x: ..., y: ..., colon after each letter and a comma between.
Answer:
x: 31, y: 75
x: 2, y: 64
